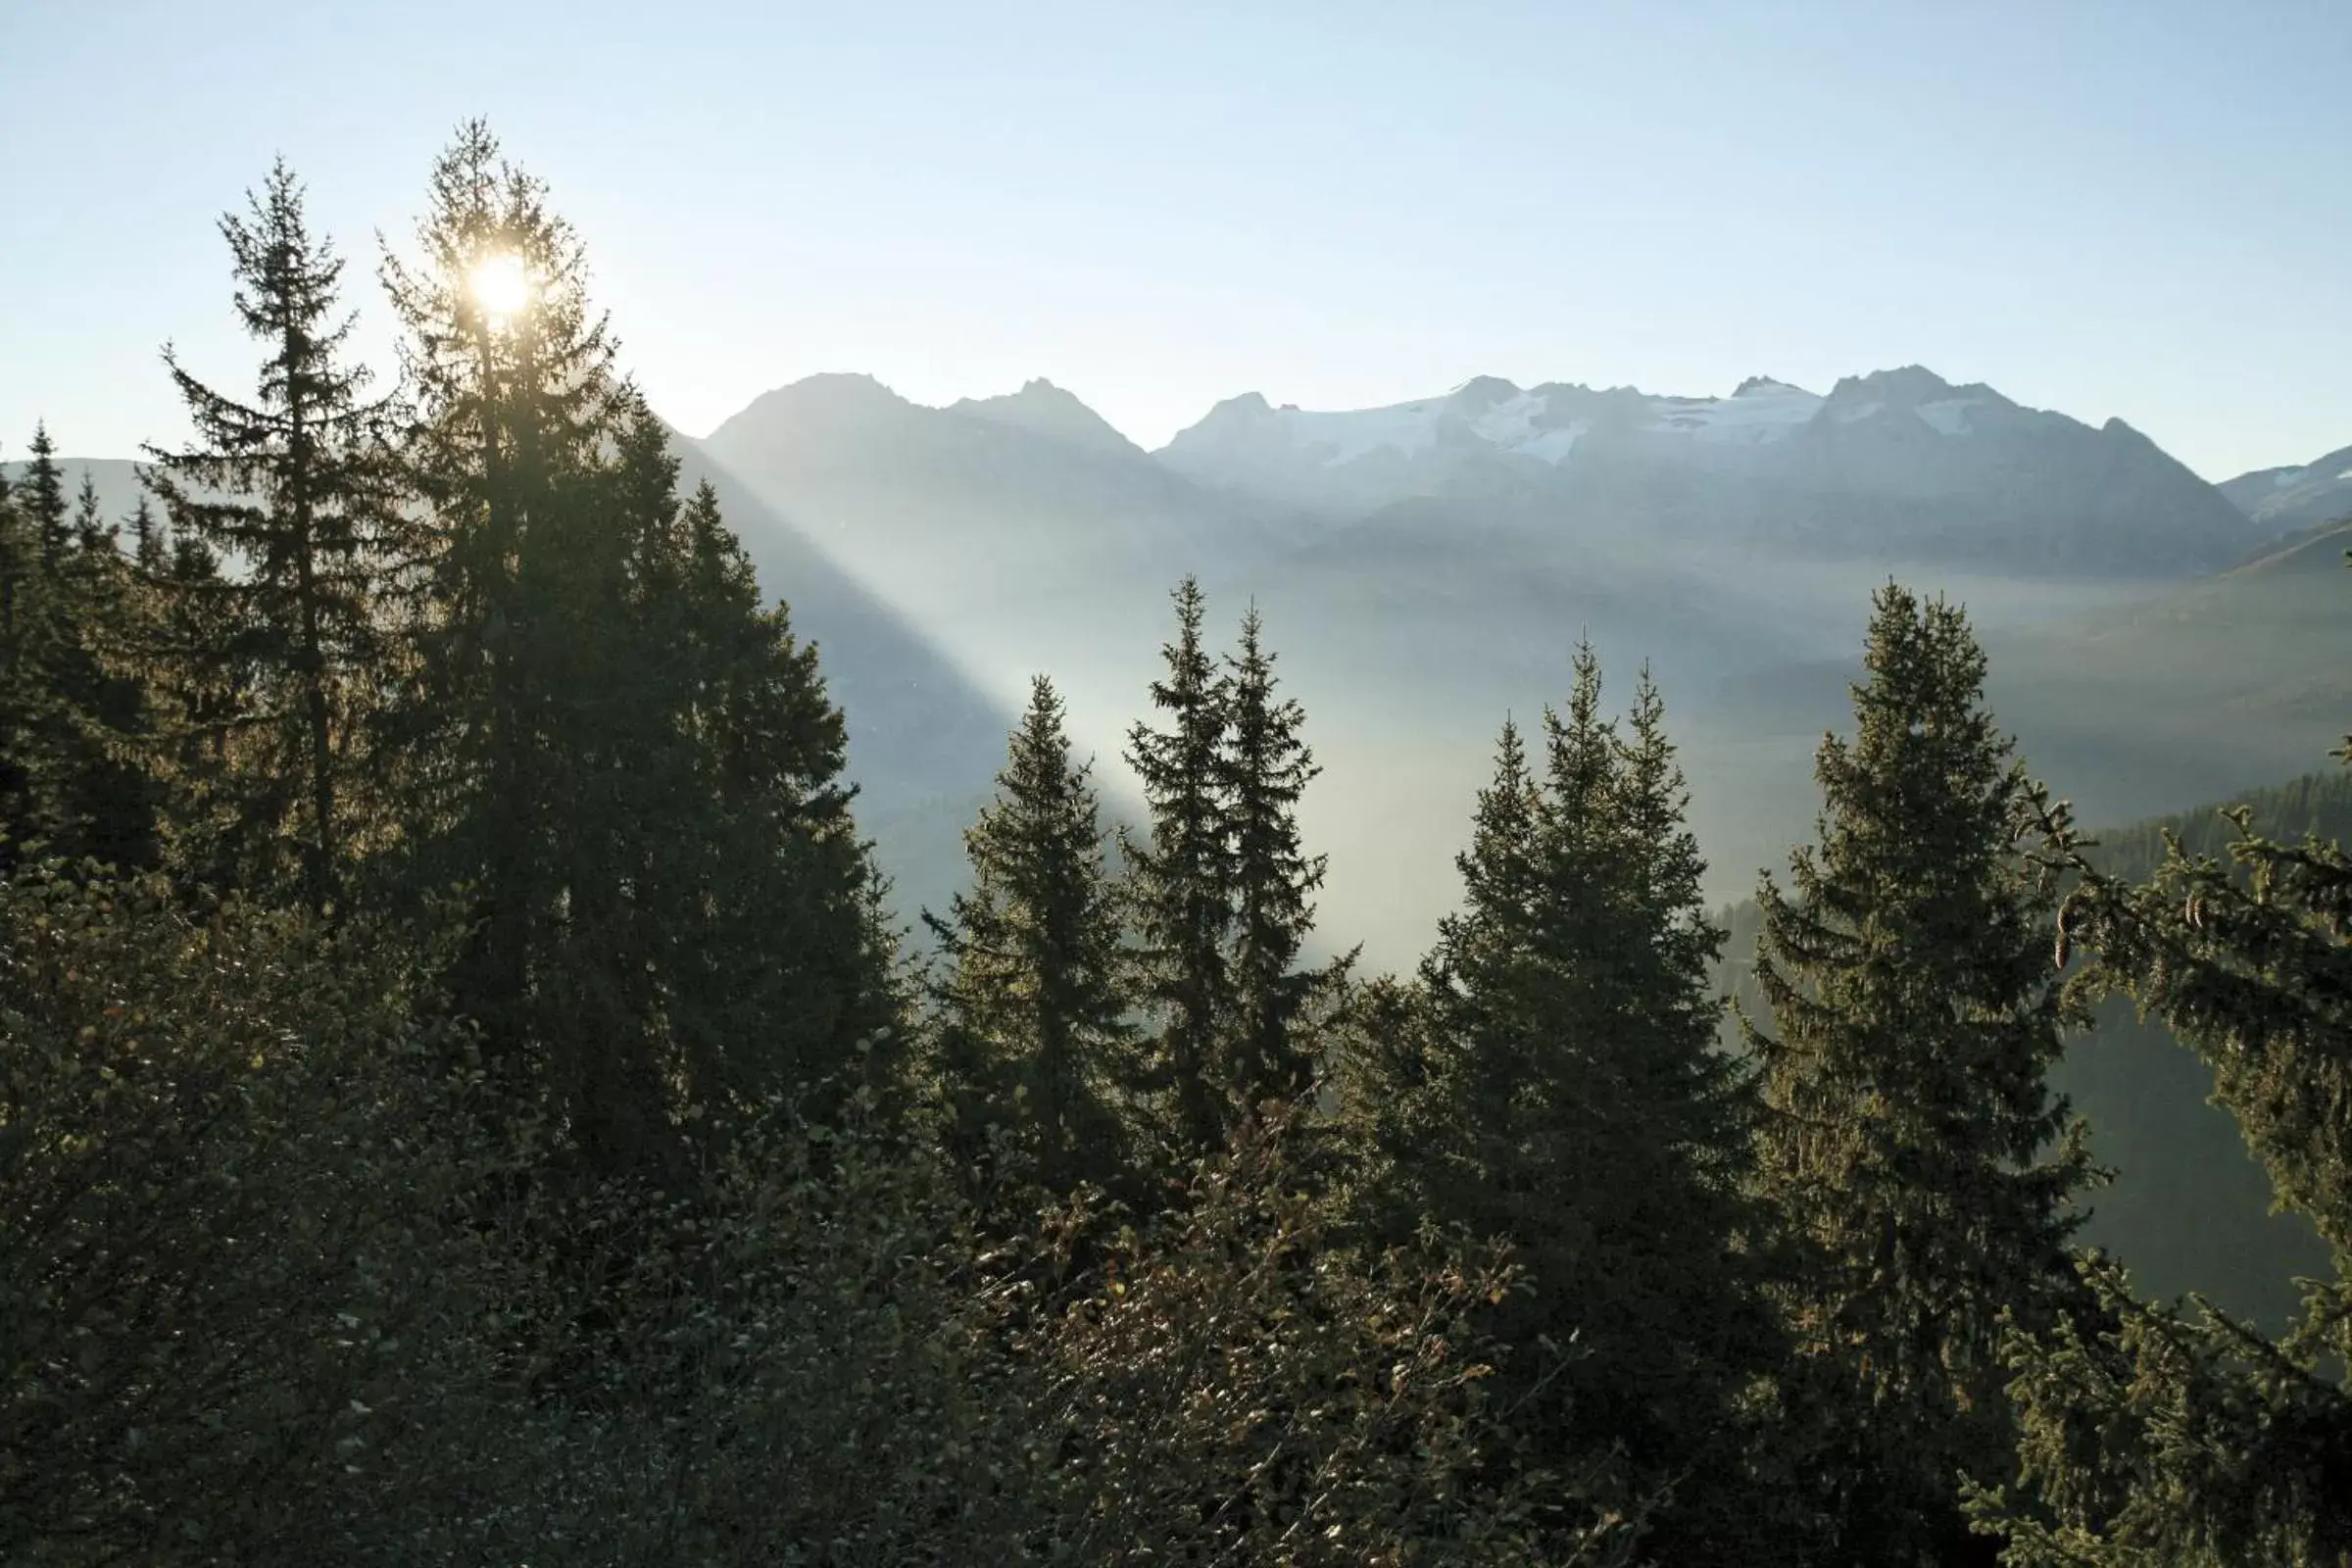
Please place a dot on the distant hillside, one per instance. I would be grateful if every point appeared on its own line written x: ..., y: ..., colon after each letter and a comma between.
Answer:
x: 2283, y: 500
x: 1008, y: 501
x: 2207, y: 692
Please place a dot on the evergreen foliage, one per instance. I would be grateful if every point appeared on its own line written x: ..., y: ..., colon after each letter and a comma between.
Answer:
x: 1271, y: 1051
x: 2154, y: 1434
x: 453, y: 1106
x: 1033, y: 1037
x: 296, y: 487
x: 1563, y: 1093
x: 1179, y: 880
x: 1916, y: 1158
x: 599, y: 730
x: 72, y: 710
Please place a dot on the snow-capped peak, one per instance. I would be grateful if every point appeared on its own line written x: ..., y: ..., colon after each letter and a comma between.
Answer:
x: 1400, y: 448
x: 1760, y: 409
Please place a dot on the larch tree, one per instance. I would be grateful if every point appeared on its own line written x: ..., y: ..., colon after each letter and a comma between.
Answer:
x: 1909, y: 1141
x: 296, y: 486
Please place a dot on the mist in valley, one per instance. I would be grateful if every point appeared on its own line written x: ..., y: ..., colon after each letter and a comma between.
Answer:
x: 661, y: 895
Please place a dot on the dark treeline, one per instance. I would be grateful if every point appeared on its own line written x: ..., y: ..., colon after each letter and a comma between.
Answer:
x: 466, y: 1098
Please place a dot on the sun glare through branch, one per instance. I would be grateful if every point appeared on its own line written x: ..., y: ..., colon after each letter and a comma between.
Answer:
x: 502, y: 286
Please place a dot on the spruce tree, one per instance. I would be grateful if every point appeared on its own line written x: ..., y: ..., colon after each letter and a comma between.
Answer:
x: 775, y: 934
x: 201, y: 695
x: 1180, y: 879
x: 1032, y: 1032
x: 296, y: 486
x: 601, y: 733
x: 74, y: 782
x: 100, y: 674
x: 91, y: 533
x: 1571, y: 1100
x: 508, y: 402
x: 41, y: 498
x: 149, y: 548
x: 1909, y: 1141
x: 1267, y: 766
x: 38, y: 627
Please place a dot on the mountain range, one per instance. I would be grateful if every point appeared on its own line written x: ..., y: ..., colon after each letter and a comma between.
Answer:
x: 1427, y: 567
x: 1898, y: 461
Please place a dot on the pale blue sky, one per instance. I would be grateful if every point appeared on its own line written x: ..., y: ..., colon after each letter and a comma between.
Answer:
x: 2135, y: 208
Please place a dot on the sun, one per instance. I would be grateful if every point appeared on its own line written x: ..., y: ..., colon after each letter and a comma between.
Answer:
x: 501, y: 285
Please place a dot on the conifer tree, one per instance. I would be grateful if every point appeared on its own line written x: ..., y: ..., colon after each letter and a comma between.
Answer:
x: 91, y: 534
x: 112, y: 794
x: 200, y: 692
x: 600, y: 731
x: 73, y: 783
x: 1180, y: 879
x: 297, y: 487
x: 41, y: 498
x: 148, y: 546
x: 36, y: 621
x: 2158, y: 1435
x: 1572, y: 1102
x: 1909, y: 1141
x: 511, y: 391
x: 1267, y: 766
x: 1032, y: 1029
x: 773, y: 928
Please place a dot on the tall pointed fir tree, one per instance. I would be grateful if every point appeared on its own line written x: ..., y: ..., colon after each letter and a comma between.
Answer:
x: 1032, y: 1034
x: 33, y: 616
x: 1179, y: 880
x: 148, y: 545
x: 73, y: 784
x: 1573, y: 1102
x: 202, y: 694
x: 101, y: 676
x: 1909, y: 1140
x: 1270, y: 1052
x: 777, y: 949
x: 631, y: 765
x: 41, y: 498
x: 297, y: 487
x: 514, y: 399
x: 1437, y: 1105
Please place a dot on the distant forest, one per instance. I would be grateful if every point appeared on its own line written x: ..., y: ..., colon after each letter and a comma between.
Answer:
x: 467, y: 1095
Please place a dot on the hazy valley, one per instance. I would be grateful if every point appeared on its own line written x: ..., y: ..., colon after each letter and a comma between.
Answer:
x: 2156, y: 642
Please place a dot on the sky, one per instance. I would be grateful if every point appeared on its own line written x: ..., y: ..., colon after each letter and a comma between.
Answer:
x: 2135, y: 208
